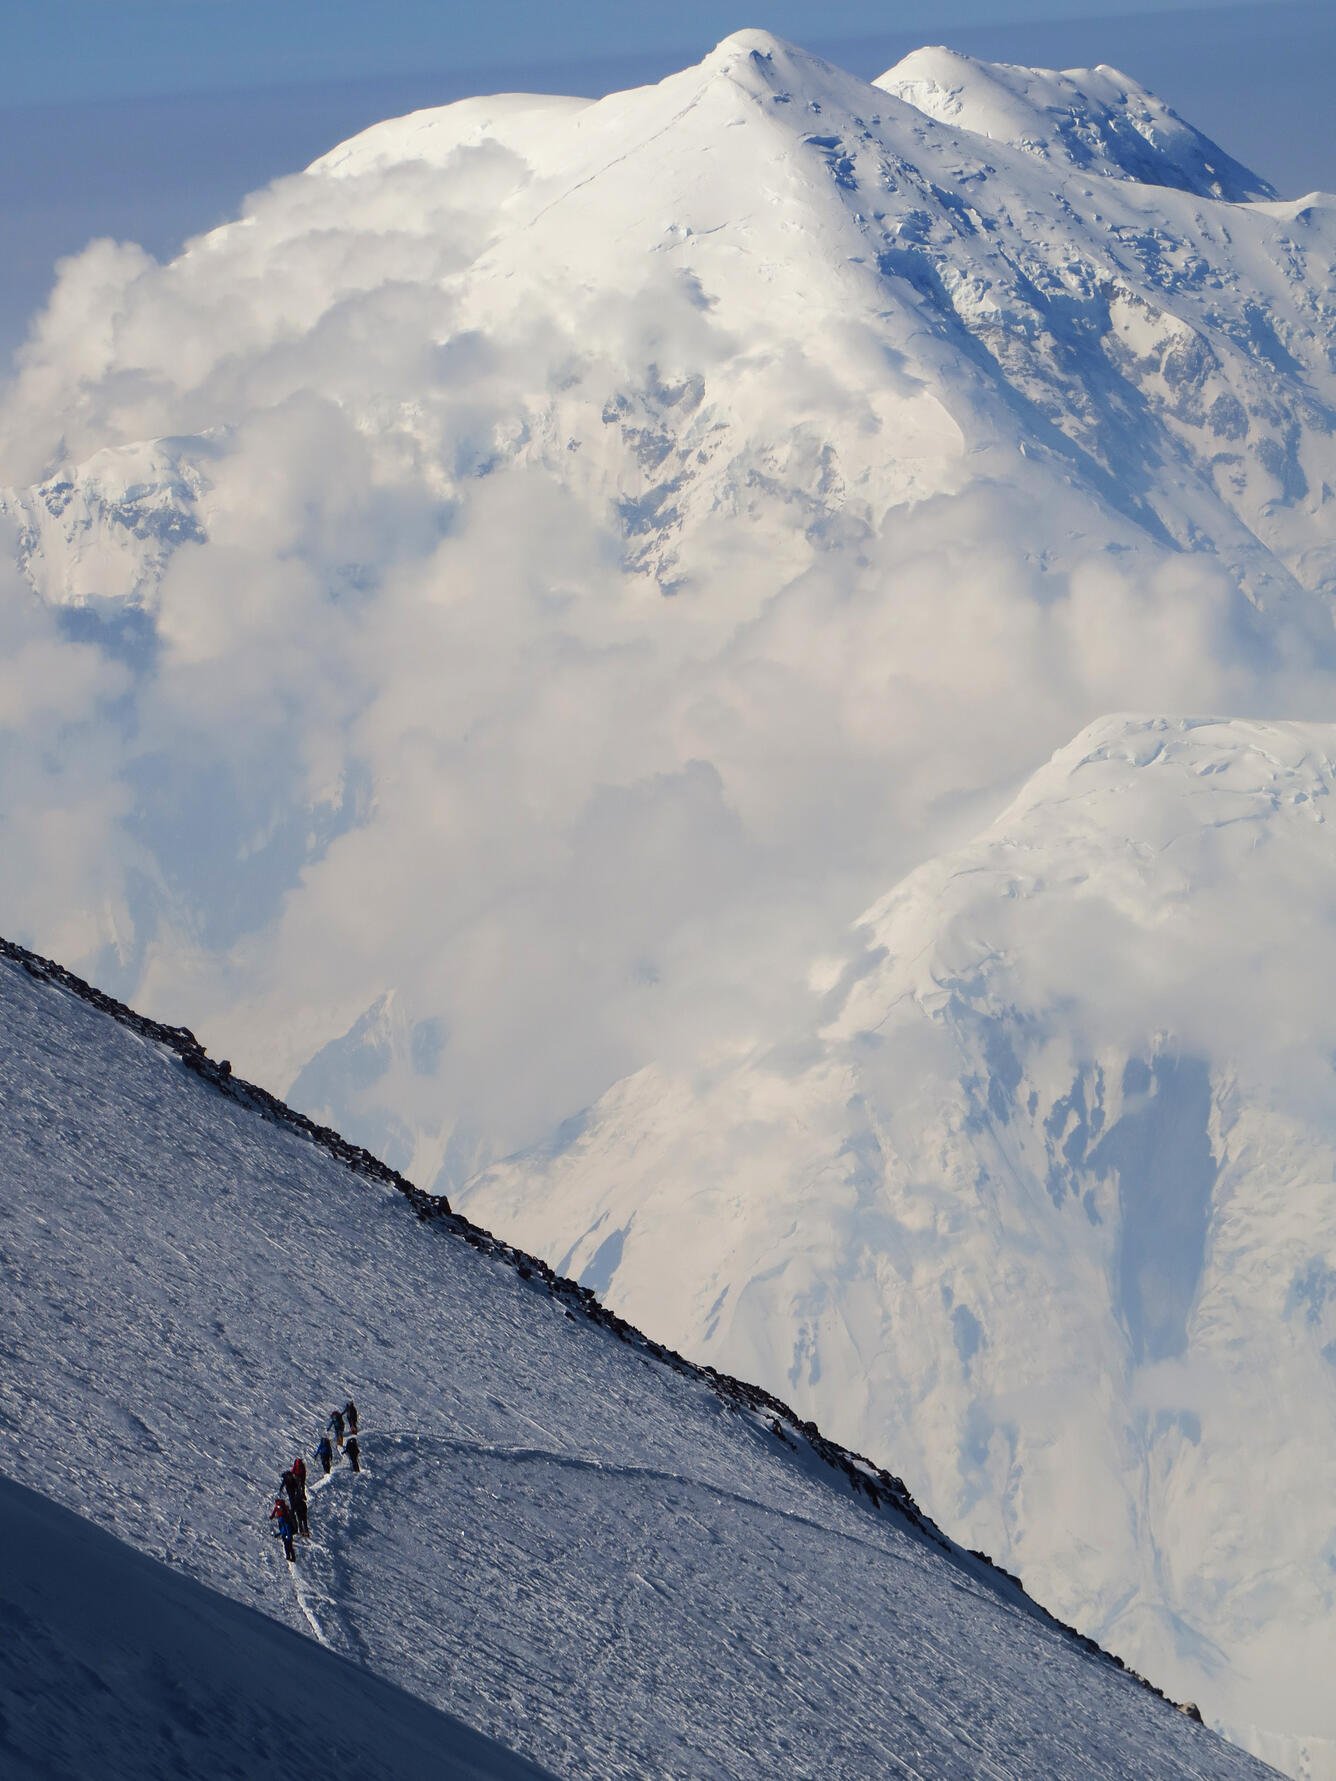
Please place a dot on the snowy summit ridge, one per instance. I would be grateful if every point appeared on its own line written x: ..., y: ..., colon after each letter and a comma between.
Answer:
x: 567, y: 197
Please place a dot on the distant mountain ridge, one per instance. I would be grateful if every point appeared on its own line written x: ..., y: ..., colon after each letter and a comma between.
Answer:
x: 1072, y: 321
x: 1089, y: 120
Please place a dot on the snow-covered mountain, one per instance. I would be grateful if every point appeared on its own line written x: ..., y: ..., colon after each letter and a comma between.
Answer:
x: 948, y: 424
x: 1042, y: 1202
x: 483, y: 624
x: 581, y: 1546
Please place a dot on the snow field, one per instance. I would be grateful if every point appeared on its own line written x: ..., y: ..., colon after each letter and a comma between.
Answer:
x: 947, y: 426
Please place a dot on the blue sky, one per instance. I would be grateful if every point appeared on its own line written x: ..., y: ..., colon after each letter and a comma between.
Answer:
x: 96, y: 49
x: 149, y: 120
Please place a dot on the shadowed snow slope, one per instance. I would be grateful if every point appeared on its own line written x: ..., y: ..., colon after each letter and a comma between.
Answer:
x: 113, y: 1665
x: 608, y: 1561
x: 1042, y: 1203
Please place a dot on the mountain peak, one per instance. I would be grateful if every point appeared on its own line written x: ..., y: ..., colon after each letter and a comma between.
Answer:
x: 1092, y: 120
x: 749, y: 41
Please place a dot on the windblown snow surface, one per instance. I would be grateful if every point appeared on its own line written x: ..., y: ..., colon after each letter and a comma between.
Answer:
x: 595, y: 1557
x: 115, y: 1666
x: 481, y: 626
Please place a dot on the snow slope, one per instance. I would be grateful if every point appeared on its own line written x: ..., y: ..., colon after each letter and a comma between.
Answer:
x: 1042, y: 1203
x: 114, y: 1665
x: 598, y: 1555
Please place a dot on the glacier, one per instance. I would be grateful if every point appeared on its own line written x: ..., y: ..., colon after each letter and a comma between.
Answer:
x: 601, y: 1558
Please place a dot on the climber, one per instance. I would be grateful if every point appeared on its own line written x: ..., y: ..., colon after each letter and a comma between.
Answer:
x: 354, y: 1453
x: 350, y: 1411
x: 296, y: 1492
x: 336, y: 1423
x: 287, y: 1527
x: 325, y: 1454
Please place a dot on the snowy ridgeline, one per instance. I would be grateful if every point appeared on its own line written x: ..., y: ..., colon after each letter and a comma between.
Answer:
x: 608, y: 1562
x: 115, y: 1666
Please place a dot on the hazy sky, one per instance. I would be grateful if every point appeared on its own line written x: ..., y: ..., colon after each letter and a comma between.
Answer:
x: 150, y: 120
x: 62, y: 49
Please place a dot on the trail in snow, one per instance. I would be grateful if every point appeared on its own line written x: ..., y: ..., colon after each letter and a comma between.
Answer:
x: 599, y: 1589
x: 553, y: 1456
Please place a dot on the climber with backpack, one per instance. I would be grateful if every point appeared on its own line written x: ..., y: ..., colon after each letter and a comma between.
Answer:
x: 287, y: 1527
x: 336, y: 1423
x: 325, y: 1454
x: 296, y: 1494
x: 354, y: 1453
x: 350, y: 1412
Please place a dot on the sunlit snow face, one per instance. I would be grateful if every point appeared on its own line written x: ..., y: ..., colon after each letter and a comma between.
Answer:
x: 562, y: 611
